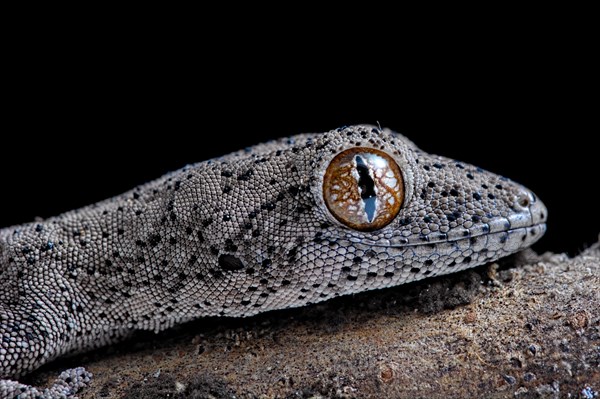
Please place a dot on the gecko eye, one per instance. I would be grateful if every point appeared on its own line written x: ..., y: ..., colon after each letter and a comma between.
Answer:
x: 363, y: 188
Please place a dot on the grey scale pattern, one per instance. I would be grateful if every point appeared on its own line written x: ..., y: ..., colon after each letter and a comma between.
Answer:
x: 235, y: 236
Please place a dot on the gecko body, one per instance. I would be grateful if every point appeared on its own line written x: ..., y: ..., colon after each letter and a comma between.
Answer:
x: 283, y: 224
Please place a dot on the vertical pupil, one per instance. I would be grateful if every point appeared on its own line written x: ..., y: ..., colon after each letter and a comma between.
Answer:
x: 367, y: 188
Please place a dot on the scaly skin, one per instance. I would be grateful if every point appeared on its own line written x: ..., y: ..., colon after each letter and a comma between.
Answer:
x: 236, y: 236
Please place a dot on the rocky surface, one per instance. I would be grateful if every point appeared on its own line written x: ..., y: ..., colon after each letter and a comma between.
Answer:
x: 525, y: 327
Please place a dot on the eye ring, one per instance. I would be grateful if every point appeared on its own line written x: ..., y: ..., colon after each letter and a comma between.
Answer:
x: 363, y: 188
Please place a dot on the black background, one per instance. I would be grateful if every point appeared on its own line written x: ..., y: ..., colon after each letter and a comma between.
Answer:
x: 76, y: 130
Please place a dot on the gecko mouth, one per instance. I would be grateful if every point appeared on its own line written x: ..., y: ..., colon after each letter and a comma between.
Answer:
x: 526, y: 236
x: 523, y: 226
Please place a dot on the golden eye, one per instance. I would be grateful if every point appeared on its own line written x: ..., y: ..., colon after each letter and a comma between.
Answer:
x: 363, y: 188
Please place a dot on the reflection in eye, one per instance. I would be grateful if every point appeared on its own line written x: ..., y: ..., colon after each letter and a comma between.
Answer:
x: 363, y: 188
x: 366, y: 187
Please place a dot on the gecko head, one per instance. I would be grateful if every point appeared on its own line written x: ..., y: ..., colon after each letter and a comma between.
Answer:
x: 415, y: 214
x: 353, y: 209
x: 359, y: 208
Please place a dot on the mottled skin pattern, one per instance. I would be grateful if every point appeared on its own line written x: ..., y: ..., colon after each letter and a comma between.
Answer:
x: 236, y: 236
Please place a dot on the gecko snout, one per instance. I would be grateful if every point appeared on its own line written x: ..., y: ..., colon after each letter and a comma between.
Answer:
x: 527, y: 201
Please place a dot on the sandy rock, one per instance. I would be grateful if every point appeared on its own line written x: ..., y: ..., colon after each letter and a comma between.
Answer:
x: 528, y: 327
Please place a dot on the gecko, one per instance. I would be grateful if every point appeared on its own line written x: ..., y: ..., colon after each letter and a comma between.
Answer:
x: 283, y: 224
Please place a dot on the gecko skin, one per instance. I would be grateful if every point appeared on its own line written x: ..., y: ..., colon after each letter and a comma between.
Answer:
x: 283, y: 224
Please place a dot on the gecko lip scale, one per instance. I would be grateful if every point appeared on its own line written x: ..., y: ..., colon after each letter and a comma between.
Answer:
x: 533, y: 230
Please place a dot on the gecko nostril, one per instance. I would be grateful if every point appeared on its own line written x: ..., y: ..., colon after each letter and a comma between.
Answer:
x: 524, y: 201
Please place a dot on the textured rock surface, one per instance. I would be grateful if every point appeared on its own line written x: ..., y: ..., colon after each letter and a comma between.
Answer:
x: 527, y: 327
